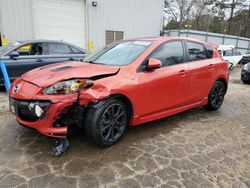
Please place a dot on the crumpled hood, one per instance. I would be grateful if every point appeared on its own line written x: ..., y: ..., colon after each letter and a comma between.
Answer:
x: 51, y: 74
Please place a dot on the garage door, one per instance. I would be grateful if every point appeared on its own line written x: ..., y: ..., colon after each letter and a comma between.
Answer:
x: 59, y: 20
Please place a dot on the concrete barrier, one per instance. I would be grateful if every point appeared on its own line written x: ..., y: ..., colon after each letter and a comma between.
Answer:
x: 6, y: 78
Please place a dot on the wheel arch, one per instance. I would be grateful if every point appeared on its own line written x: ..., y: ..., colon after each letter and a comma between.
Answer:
x: 126, y: 101
x: 223, y: 80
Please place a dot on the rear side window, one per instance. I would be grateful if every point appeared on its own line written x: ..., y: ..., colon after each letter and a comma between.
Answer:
x: 56, y: 48
x: 170, y: 53
x: 76, y: 51
x: 196, y: 51
x: 237, y: 53
x: 209, y: 51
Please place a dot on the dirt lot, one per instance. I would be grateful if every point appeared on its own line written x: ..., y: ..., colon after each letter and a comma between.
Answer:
x: 192, y: 149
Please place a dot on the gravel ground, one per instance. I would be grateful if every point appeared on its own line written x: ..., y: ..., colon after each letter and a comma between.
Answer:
x: 192, y: 149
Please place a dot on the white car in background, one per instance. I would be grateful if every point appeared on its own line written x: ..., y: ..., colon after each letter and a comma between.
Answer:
x: 229, y: 54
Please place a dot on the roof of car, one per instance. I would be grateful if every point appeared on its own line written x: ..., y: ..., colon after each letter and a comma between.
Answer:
x: 164, y: 38
x: 40, y: 40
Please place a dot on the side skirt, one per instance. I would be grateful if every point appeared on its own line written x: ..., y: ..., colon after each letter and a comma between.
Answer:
x: 139, y: 120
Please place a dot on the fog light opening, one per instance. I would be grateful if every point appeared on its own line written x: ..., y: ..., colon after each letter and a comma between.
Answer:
x: 38, y: 110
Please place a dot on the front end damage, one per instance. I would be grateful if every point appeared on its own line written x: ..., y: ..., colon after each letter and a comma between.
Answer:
x: 71, y: 116
x: 51, y: 120
x: 57, y: 116
x: 57, y: 119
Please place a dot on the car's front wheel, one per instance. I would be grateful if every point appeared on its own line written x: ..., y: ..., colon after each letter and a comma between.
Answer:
x: 216, y: 96
x: 107, y: 123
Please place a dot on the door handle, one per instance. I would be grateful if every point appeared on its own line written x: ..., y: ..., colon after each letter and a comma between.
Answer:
x: 39, y: 60
x: 183, y: 73
x: 211, y: 66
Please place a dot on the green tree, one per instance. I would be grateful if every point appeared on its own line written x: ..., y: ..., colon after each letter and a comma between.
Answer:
x: 231, y: 5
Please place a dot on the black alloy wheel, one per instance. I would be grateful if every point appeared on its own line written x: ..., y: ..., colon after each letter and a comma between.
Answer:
x: 216, y: 96
x: 106, y: 122
x: 113, y: 122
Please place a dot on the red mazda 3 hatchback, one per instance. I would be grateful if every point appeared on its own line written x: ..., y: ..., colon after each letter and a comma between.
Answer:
x: 124, y: 84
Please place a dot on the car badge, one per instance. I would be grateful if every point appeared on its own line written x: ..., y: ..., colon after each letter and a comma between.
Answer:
x: 15, y: 89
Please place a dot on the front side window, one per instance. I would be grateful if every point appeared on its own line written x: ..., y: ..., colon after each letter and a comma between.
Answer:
x: 30, y: 49
x: 56, y: 48
x: 37, y: 49
x: 24, y: 50
x: 169, y: 53
x: 195, y: 51
x: 119, y: 54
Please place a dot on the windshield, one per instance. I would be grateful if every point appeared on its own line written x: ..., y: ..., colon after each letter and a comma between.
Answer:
x: 119, y: 54
x: 10, y: 46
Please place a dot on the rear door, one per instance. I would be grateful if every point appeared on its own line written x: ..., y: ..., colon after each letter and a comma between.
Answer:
x: 165, y: 88
x: 201, y: 70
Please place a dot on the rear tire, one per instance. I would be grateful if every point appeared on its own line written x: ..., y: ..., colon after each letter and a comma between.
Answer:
x: 216, y: 96
x: 106, y: 122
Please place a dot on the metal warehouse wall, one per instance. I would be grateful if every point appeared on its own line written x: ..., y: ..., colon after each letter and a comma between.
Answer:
x: 59, y: 20
x: 137, y: 18
x: 242, y: 44
x: 16, y: 20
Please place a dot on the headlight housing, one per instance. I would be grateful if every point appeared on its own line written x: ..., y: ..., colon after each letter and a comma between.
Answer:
x: 68, y: 86
x: 245, y: 67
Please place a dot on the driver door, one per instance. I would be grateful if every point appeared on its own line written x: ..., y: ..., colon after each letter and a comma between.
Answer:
x: 165, y: 88
x: 27, y: 59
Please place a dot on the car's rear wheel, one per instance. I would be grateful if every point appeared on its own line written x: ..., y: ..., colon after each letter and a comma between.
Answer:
x: 216, y: 96
x: 107, y: 123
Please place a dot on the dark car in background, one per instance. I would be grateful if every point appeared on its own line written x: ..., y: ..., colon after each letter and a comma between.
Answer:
x: 22, y: 56
x: 245, y: 74
x: 245, y: 59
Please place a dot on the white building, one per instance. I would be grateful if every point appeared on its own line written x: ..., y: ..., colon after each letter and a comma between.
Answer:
x: 85, y: 23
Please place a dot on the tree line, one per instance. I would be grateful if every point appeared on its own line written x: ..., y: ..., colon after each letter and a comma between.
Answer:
x: 219, y: 16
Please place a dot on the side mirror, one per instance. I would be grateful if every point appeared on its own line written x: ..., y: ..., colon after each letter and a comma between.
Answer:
x: 14, y: 54
x: 154, y: 64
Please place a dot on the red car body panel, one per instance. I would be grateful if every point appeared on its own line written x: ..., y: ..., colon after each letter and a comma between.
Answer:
x: 48, y: 75
x: 152, y: 94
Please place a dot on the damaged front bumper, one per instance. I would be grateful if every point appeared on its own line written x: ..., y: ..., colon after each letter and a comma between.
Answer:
x: 51, y: 115
x: 46, y: 122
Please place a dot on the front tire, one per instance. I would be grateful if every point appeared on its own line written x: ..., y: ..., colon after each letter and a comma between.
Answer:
x: 107, y: 122
x: 216, y: 96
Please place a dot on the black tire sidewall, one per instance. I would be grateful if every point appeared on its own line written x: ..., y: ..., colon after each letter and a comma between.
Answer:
x: 93, y: 125
x: 210, y: 105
